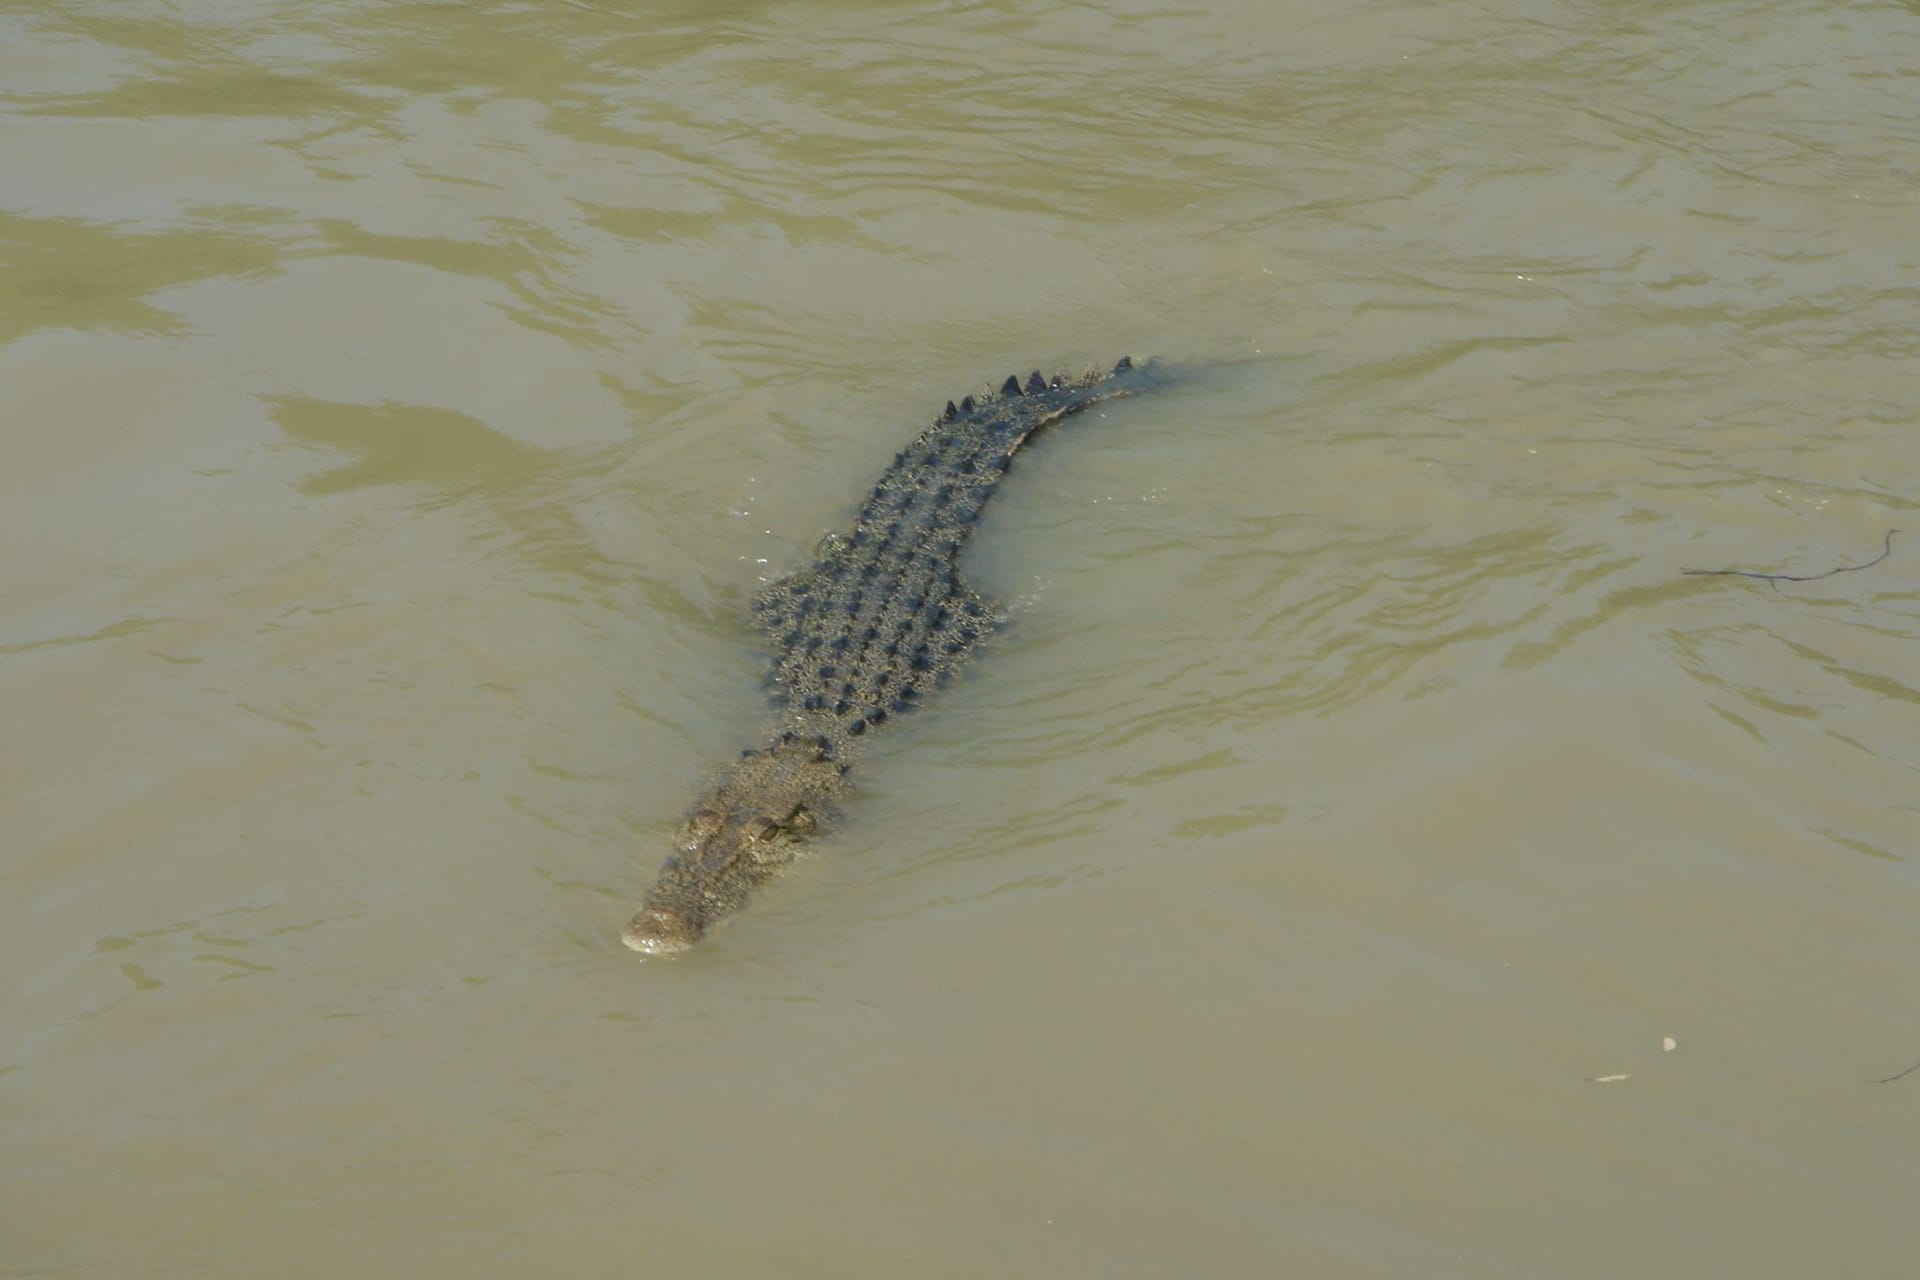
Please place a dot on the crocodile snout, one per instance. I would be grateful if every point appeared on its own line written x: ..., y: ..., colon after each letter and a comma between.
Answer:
x: 660, y: 931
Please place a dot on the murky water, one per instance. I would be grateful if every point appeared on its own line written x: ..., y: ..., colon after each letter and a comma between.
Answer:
x: 1364, y: 854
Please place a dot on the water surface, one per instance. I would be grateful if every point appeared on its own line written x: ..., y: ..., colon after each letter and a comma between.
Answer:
x: 402, y: 401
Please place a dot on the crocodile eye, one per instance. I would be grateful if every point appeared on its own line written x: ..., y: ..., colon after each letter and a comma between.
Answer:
x: 801, y: 821
x: 761, y: 829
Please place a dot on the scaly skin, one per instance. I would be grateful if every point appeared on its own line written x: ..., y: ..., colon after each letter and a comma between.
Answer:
x: 742, y: 831
x: 859, y: 638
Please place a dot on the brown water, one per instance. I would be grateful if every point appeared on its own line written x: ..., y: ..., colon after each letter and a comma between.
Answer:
x: 402, y: 400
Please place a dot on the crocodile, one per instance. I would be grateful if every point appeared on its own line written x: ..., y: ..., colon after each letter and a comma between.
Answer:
x: 860, y: 637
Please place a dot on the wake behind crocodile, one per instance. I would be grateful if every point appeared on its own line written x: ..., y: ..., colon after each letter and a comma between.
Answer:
x: 860, y: 637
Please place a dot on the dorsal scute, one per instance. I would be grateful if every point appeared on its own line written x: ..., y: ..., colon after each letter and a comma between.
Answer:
x: 782, y: 606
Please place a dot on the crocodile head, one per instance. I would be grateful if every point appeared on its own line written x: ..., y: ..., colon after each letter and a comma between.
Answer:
x: 740, y: 833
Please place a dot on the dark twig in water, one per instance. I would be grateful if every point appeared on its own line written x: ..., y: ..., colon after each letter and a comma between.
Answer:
x: 1777, y: 578
x: 1909, y: 1071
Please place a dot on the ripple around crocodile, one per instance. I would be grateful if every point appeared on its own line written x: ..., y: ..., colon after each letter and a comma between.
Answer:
x: 860, y: 637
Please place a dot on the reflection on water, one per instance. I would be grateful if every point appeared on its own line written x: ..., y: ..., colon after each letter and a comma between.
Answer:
x: 404, y: 399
